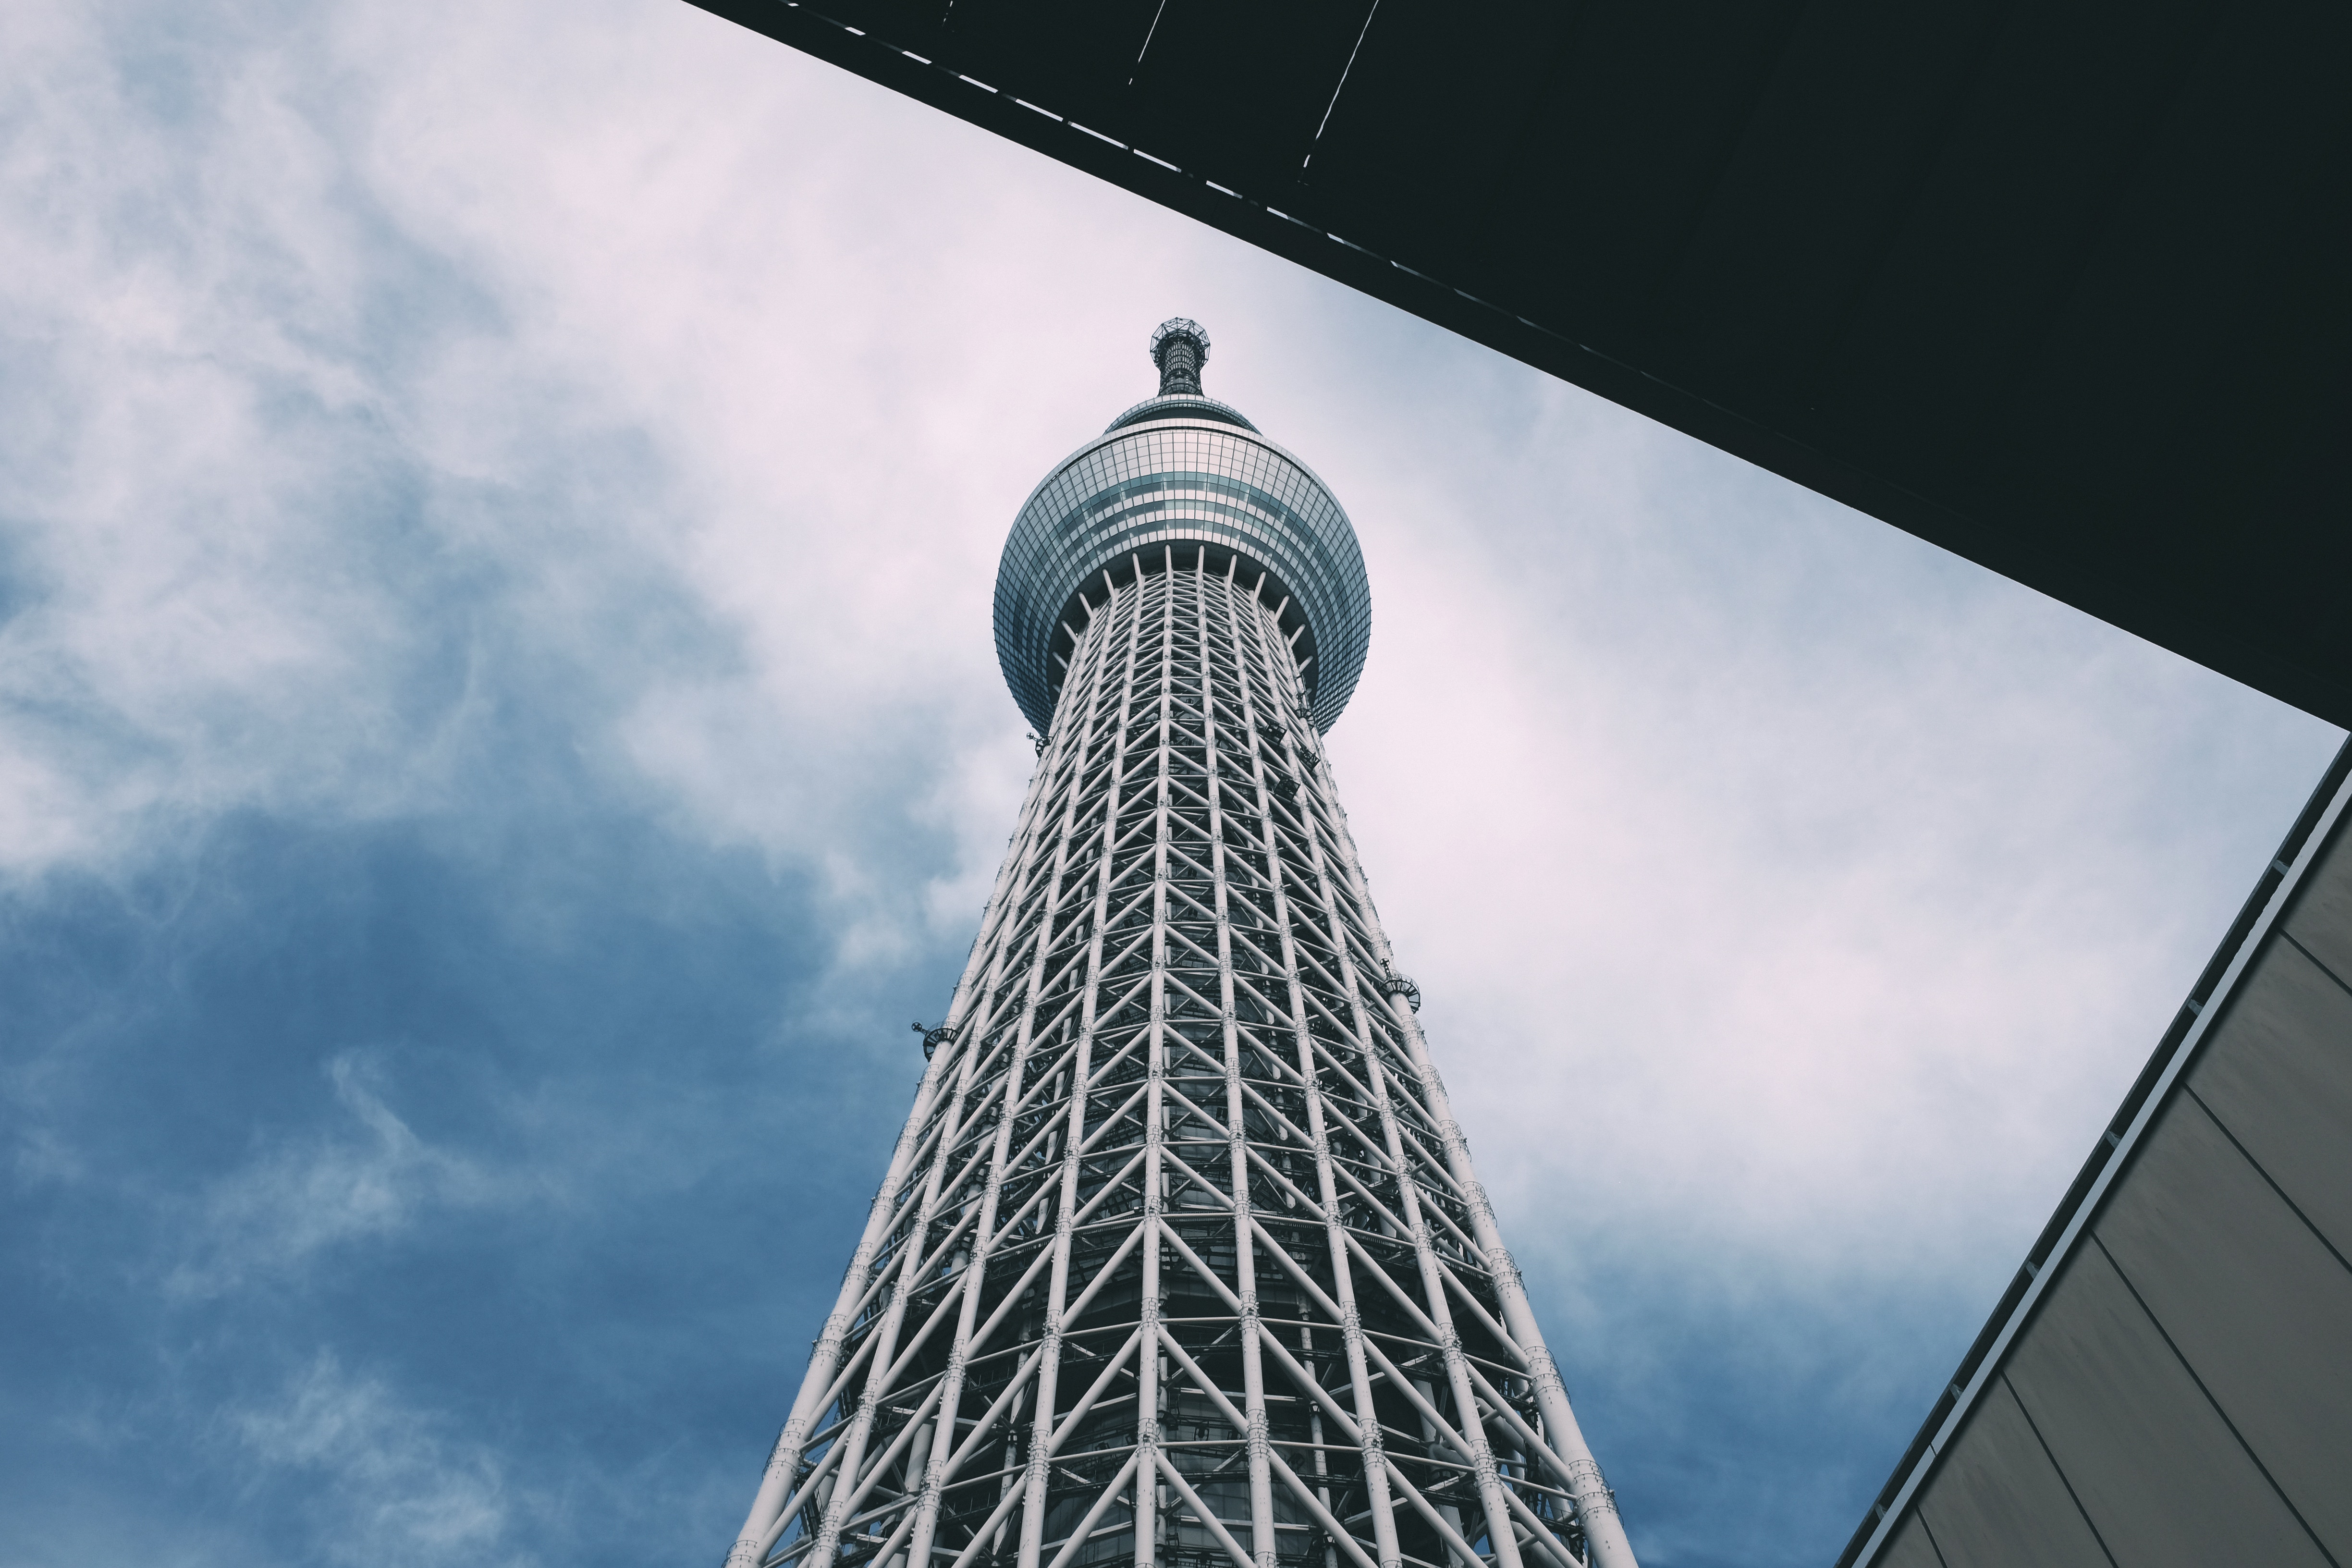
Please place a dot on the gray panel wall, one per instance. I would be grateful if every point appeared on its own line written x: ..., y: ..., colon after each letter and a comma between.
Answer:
x: 2182, y: 1394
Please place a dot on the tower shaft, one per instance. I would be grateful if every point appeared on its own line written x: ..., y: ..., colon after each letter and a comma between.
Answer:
x: 1180, y: 1259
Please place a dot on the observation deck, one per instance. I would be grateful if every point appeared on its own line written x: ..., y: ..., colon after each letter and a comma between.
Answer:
x: 1182, y: 470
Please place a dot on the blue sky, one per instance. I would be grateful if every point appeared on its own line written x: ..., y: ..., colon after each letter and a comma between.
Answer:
x: 498, y: 733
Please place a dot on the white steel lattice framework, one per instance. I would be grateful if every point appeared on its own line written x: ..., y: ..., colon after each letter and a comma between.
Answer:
x: 1180, y: 1259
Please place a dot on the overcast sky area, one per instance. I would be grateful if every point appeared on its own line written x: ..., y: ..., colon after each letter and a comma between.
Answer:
x: 499, y: 733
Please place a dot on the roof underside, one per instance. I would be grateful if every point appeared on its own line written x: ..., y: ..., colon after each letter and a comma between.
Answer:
x: 2059, y: 288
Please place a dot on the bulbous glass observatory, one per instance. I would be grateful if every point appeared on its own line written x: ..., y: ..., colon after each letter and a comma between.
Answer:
x: 1181, y: 469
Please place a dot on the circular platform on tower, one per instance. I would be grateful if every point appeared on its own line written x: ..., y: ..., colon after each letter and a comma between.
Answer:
x: 1183, y: 471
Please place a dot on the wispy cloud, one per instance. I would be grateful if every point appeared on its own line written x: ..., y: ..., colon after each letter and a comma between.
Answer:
x: 369, y: 1178
x: 390, y: 1482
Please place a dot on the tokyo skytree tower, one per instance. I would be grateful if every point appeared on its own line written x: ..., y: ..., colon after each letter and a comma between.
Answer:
x: 1181, y: 1259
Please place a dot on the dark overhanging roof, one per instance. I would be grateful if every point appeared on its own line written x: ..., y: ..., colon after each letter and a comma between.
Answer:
x: 2059, y: 288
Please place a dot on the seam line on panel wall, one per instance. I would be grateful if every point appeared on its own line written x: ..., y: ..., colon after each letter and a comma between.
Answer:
x: 2341, y: 984
x: 2190, y: 1367
x: 2190, y: 1090
x: 2059, y: 1470
x: 1935, y: 1545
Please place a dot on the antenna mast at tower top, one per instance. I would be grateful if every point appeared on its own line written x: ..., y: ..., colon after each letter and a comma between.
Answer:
x: 1180, y: 348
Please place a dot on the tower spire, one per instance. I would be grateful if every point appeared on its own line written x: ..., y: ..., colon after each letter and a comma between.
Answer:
x: 1180, y: 348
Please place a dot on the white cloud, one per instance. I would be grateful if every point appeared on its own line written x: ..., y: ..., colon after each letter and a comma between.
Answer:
x: 390, y: 1482
x: 1791, y: 899
x: 423, y: 383
x: 199, y: 625
x: 370, y: 1178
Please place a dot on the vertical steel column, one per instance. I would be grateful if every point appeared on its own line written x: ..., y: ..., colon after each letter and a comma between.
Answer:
x: 1261, y: 1479
x: 1151, y: 1464
x: 1049, y: 1365
x: 1089, y: 1015
x: 1248, y: 653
